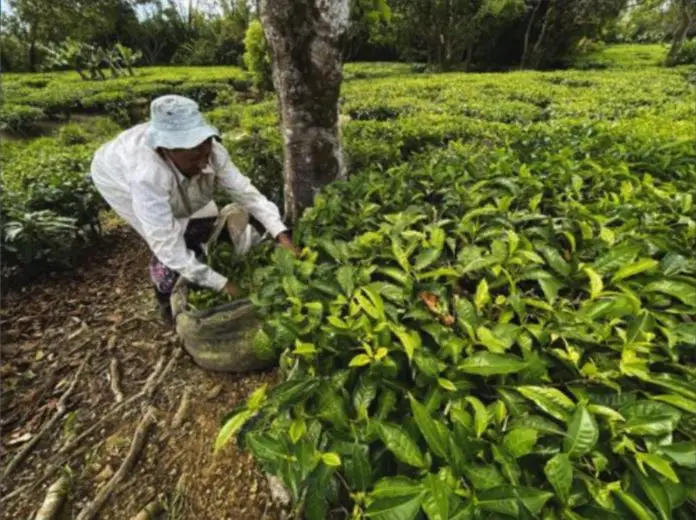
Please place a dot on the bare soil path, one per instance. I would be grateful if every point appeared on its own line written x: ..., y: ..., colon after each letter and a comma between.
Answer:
x: 120, y: 411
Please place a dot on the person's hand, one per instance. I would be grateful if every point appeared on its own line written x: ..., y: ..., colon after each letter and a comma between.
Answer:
x: 232, y: 289
x: 284, y: 241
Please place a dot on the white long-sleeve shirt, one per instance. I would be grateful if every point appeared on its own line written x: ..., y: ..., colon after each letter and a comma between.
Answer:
x: 142, y: 188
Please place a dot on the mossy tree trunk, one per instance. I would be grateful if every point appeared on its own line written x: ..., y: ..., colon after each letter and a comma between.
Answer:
x: 305, y: 40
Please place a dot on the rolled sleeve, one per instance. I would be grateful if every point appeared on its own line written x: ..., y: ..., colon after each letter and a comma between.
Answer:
x: 165, y: 235
x: 245, y: 193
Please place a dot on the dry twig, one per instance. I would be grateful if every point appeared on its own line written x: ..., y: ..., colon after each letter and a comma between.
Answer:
x: 54, y: 499
x: 61, y: 409
x: 150, y: 511
x: 180, y: 415
x: 92, y: 509
x: 71, y: 449
x: 148, y: 388
x: 115, y: 380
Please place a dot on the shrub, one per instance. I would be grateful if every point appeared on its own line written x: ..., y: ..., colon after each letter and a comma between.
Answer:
x: 256, y: 56
x: 19, y: 117
x: 494, y: 316
x: 39, y: 237
x: 71, y: 134
x: 472, y: 334
x: 49, y: 205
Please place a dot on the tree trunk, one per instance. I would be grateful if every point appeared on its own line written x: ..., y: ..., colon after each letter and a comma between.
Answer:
x: 469, y: 57
x: 538, y: 52
x: 32, y: 48
x: 81, y: 73
x: 682, y: 30
x: 528, y: 35
x: 304, y: 38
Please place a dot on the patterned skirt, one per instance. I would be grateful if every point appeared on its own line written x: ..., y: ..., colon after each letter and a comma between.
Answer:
x: 197, y: 233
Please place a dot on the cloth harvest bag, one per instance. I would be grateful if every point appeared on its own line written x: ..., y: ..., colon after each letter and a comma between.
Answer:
x: 221, y: 339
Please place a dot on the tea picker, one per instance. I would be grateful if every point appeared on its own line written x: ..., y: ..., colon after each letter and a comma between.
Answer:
x: 160, y: 177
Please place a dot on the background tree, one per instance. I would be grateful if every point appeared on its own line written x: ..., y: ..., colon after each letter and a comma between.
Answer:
x: 41, y: 22
x: 686, y: 18
x: 556, y: 26
x: 256, y: 57
x: 305, y: 39
x: 370, y: 22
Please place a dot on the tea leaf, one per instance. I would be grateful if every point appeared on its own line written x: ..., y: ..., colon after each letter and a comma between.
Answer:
x: 428, y: 428
x: 401, y: 445
x: 550, y: 400
x: 331, y: 459
x: 231, y: 427
x: 360, y: 360
x: 480, y: 415
x: 257, y: 398
x: 482, y: 296
x: 596, y: 285
x: 662, y: 466
x: 436, y: 501
x: 559, y: 472
x: 409, y: 339
x: 405, y: 507
x: 357, y: 468
x: 297, y: 430
x: 488, y: 364
x: 490, y: 341
x: 655, y: 492
x: 520, y: 442
x: 639, y: 510
x: 345, y: 275
x: 583, y: 433
x: 645, y: 264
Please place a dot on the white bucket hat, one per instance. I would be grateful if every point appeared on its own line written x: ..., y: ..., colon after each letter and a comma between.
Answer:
x: 176, y: 122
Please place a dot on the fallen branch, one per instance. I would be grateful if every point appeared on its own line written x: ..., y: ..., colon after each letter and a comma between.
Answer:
x: 48, y: 472
x: 137, y: 444
x: 148, y: 388
x: 150, y: 511
x: 176, y: 355
x: 181, y: 412
x: 61, y: 409
x: 80, y: 346
x: 149, y: 385
x: 115, y: 380
x: 54, y: 499
x: 71, y: 447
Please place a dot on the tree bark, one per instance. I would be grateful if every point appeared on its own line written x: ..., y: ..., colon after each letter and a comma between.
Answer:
x: 538, y: 52
x: 469, y: 57
x: 680, y: 33
x: 305, y: 42
x: 528, y: 35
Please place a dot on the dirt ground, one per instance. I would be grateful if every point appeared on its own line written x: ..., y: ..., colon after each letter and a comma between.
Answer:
x: 84, y: 320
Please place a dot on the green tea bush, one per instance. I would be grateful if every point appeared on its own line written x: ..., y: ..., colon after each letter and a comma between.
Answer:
x: 49, y: 205
x: 72, y: 134
x: 488, y: 334
x: 63, y: 93
x: 494, y: 316
x: 19, y: 117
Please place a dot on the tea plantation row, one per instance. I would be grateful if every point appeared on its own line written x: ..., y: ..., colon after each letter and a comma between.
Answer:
x: 48, y: 201
x: 495, y: 316
x: 31, y: 98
